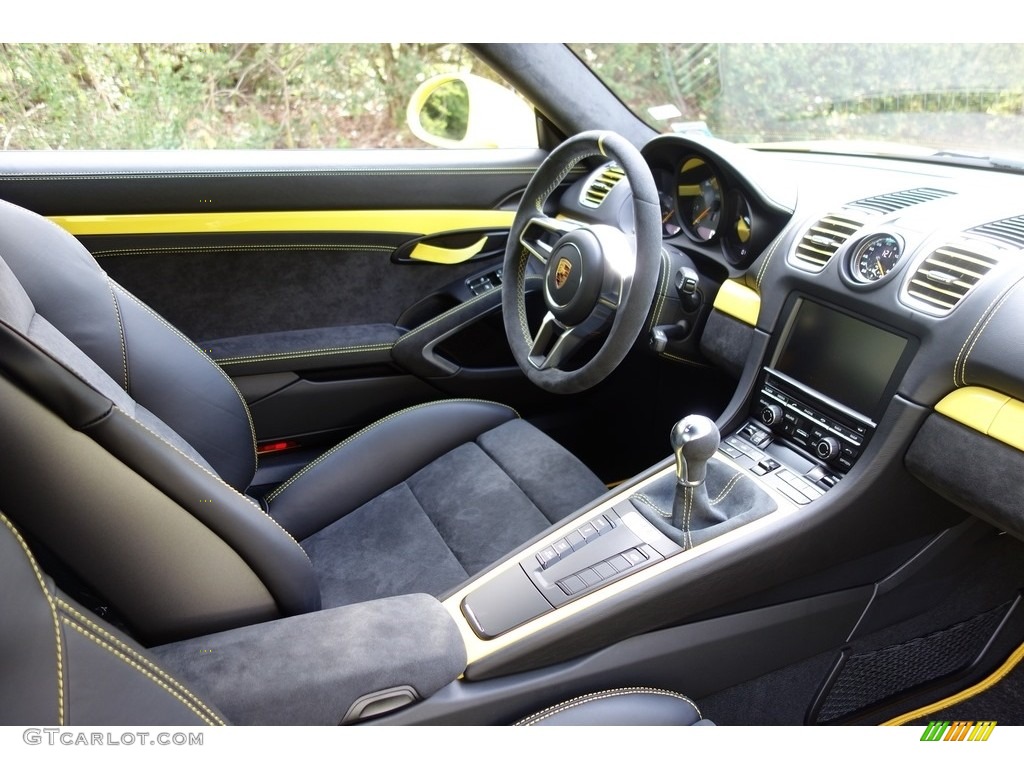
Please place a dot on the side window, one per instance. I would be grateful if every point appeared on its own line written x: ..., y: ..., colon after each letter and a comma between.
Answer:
x: 255, y: 96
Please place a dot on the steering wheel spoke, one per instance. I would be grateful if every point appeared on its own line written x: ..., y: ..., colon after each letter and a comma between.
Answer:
x: 554, y: 343
x: 541, y: 234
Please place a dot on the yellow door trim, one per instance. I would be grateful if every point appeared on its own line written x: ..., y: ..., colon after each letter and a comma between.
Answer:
x: 418, y: 222
x: 999, y: 416
x: 438, y: 255
x: 737, y: 300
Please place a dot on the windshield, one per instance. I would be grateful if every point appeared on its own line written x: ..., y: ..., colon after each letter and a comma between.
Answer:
x: 903, y: 98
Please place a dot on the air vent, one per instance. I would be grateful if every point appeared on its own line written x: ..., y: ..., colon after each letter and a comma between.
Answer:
x: 822, y: 240
x: 947, y: 275
x: 894, y: 201
x: 601, y: 186
x: 1009, y: 231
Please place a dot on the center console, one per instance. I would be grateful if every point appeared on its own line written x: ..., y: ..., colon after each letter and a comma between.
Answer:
x: 816, y: 404
x: 827, y: 382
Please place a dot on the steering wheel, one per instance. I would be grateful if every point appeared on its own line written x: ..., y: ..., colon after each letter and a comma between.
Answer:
x: 595, y: 275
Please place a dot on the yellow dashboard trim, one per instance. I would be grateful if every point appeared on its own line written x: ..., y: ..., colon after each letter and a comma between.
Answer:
x: 421, y: 222
x: 994, y: 414
x: 737, y: 300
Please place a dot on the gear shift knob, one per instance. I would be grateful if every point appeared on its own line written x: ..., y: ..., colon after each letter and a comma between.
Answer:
x: 694, y: 441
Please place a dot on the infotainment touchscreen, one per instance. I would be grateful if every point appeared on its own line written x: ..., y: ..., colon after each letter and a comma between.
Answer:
x: 843, y: 358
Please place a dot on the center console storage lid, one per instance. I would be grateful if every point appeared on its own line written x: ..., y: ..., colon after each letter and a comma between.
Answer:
x: 312, y: 669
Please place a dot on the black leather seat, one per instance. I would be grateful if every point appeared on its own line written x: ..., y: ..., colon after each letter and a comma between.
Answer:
x: 130, y: 454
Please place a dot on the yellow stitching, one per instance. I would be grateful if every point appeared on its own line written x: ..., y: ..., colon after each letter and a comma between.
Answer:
x: 956, y: 363
x: 136, y: 656
x: 220, y: 480
x: 539, y: 202
x: 53, y: 612
x: 120, y: 328
x: 442, y: 316
x: 728, y: 487
x: 223, y: 248
x: 580, y: 700
x: 197, y: 350
x: 1005, y: 297
x: 662, y: 291
x: 276, y: 173
x: 694, y: 363
x: 146, y: 673
x: 647, y: 500
x: 688, y: 498
x: 305, y: 353
x: 771, y: 252
x: 280, y: 489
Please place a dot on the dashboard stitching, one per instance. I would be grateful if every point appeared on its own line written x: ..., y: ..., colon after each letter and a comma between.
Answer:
x: 961, y: 362
x: 771, y: 253
x: 1003, y: 299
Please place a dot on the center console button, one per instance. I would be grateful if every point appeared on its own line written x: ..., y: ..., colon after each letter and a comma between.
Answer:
x: 562, y: 547
x: 575, y: 540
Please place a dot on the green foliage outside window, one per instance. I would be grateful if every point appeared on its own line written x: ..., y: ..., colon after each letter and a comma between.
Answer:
x: 206, y: 96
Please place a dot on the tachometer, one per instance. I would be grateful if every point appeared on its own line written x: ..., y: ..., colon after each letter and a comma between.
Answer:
x: 875, y: 258
x: 700, y: 199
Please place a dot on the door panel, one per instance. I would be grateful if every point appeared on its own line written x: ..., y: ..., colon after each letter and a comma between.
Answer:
x: 305, y: 266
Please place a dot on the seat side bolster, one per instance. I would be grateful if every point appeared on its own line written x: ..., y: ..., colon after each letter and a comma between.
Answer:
x: 377, y: 458
x: 276, y: 558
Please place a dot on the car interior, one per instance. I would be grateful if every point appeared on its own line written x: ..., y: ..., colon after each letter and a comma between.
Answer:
x: 630, y: 428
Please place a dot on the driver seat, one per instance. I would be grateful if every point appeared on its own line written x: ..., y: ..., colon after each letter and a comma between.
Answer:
x: 130, y: 452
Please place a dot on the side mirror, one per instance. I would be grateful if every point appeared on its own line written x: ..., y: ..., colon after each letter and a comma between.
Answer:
x: 464, y: 111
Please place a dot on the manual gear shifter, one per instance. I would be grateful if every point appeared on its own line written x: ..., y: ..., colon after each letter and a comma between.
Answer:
x: 695, y: 516
x: 694, y: 440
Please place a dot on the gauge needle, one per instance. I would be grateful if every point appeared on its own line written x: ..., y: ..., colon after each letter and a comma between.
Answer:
x: 701, y: 215
x: 881, y: 269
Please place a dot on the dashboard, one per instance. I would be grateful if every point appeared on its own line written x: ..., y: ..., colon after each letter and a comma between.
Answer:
x: 871, y: 279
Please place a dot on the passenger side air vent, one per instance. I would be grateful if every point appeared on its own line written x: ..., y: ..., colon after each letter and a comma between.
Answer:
x: 822, y: 240
x: 946, y: 275
x: 1009, y: 231
x: 601, y: 185
x: 894, y: 201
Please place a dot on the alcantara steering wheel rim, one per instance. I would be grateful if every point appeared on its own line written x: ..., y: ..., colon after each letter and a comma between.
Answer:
x: 595, y: 276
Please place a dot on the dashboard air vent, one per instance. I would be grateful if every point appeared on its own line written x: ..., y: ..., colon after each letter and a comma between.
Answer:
x: 947, y: 274
x: 823, y: 239
x: 894, y: 201
x: 1009, y: 231
x: 601, y: 185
